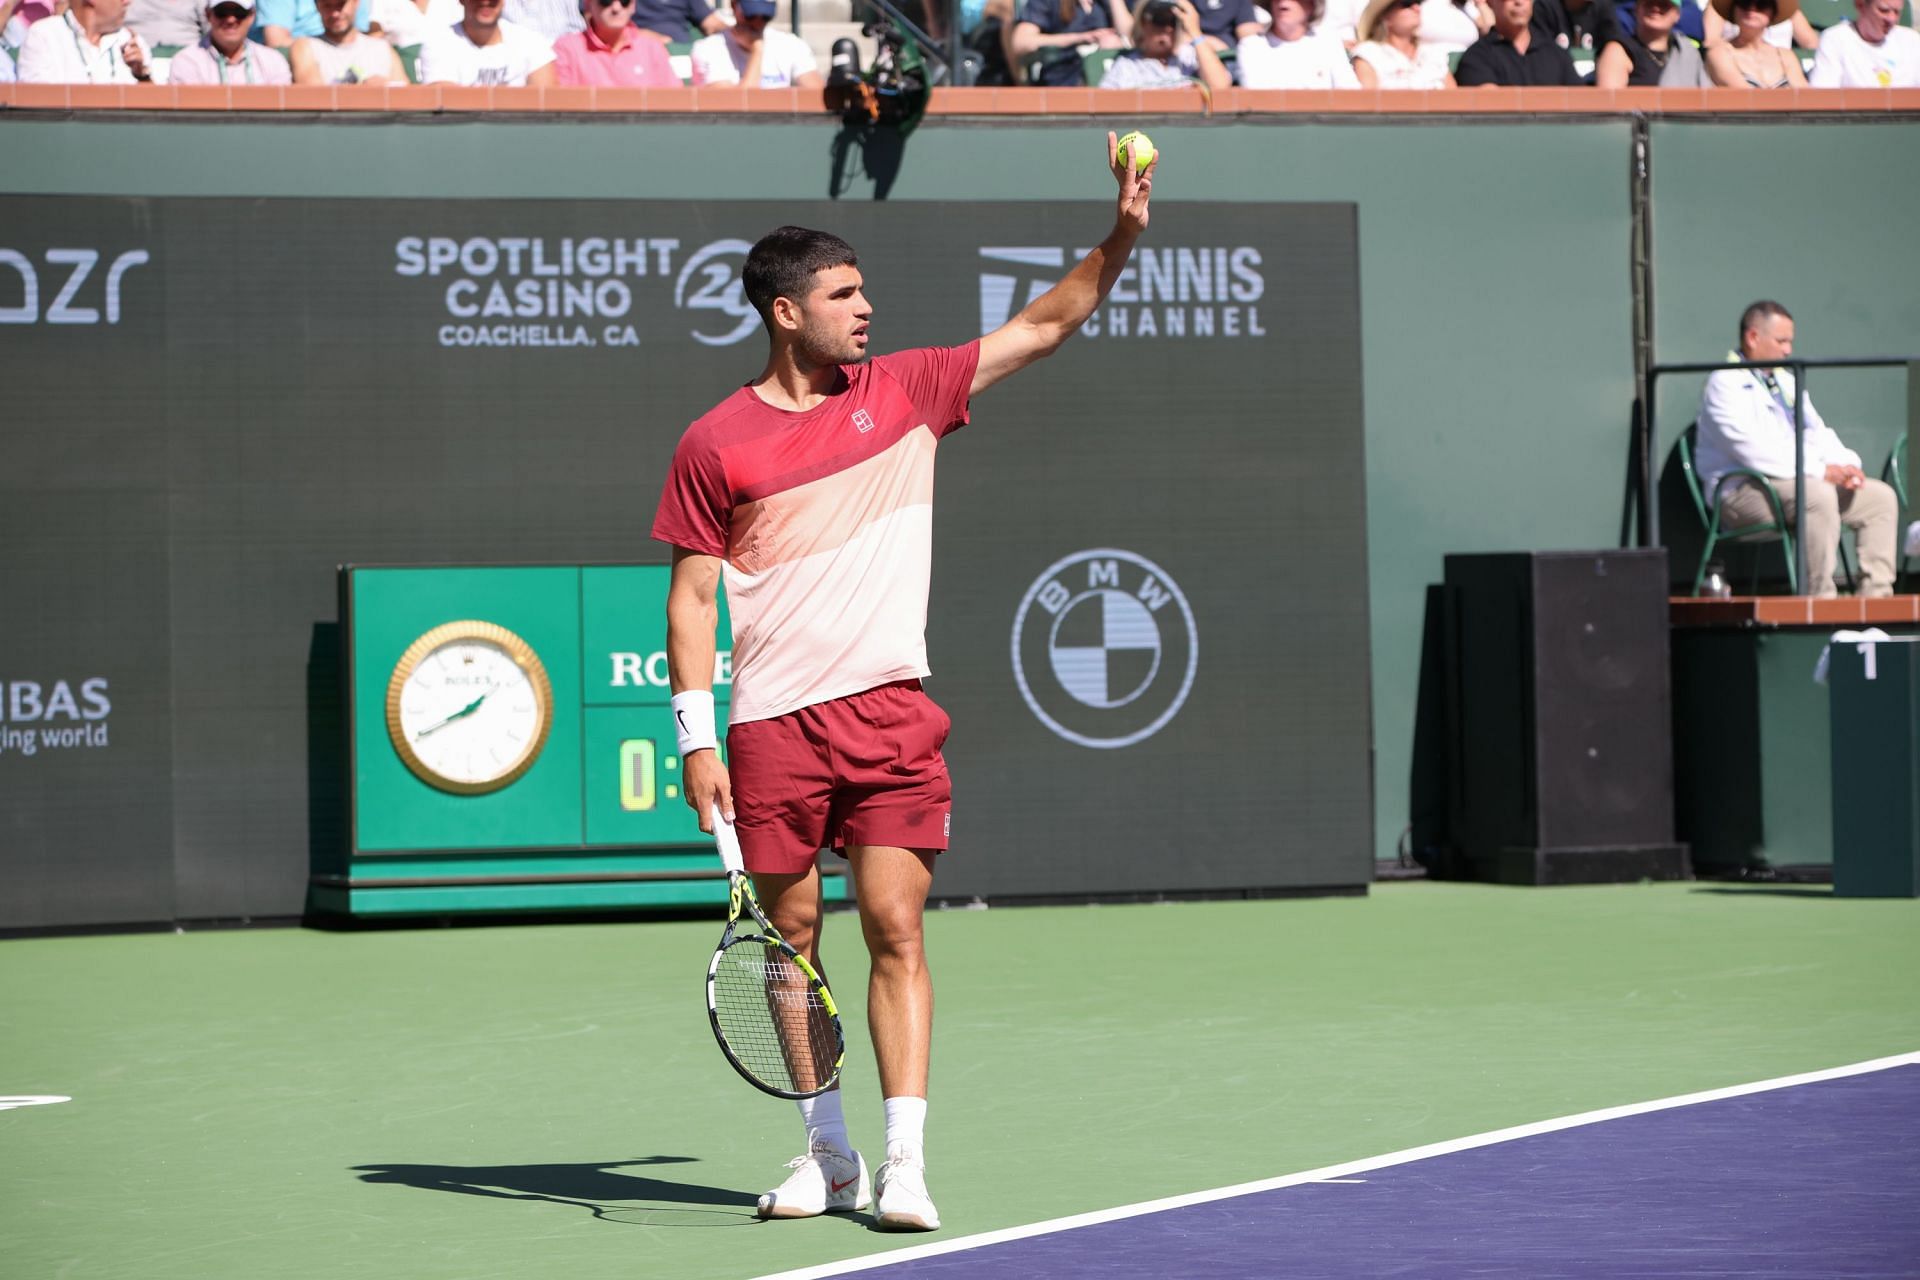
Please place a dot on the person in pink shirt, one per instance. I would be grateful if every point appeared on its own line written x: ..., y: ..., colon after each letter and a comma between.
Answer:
x: 611, y: 54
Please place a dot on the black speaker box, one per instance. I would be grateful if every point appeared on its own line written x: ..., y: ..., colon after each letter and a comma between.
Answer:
x: 1559, y: 733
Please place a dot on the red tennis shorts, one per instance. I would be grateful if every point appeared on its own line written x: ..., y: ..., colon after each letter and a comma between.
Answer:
x: 864, y: 769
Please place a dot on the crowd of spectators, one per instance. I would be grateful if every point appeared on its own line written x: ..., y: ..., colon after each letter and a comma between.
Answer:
x: 1146, y: 44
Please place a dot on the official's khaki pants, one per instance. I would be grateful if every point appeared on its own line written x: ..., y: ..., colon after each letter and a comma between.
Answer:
x: 1872, y: 512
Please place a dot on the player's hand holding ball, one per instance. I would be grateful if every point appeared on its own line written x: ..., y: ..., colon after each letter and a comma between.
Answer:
x: 1133, y: 160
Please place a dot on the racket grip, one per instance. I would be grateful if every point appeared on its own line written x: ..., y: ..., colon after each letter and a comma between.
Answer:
x: 727, y: 841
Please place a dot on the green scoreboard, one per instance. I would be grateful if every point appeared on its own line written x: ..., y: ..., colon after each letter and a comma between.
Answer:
x: 512, y: 747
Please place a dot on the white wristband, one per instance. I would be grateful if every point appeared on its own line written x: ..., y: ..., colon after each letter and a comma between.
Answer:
x: 693, y: 721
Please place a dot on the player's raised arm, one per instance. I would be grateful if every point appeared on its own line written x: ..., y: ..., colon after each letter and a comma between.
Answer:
x: 1055, y: 315
x: 693, y: 613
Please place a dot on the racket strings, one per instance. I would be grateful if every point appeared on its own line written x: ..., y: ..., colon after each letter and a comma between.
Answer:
x: 772, y: 1017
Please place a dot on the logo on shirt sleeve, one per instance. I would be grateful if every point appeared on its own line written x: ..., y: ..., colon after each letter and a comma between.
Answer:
x: 863, y: 420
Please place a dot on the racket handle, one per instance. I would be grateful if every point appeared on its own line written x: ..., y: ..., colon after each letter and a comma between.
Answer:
x: 727, y: 841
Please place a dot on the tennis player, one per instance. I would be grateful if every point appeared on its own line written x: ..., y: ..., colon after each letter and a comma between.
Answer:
x: 813, y: 486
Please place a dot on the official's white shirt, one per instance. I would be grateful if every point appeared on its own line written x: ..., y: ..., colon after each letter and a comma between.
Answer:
x: 1744, y: 423
x: 56, y: 51
x: 718, y: 60
x: 449, y: 57
x: 1268, y: 62
x: 1845, y: 61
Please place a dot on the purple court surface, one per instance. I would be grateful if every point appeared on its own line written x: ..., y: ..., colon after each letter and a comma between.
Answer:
x: 1820, y: 1179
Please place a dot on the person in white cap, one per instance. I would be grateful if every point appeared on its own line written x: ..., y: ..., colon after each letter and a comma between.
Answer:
x: 752, y: 53
x: 88, y: 44
x: 225, y: 55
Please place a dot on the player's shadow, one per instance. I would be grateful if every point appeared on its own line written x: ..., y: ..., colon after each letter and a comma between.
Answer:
x: 594, y: 1186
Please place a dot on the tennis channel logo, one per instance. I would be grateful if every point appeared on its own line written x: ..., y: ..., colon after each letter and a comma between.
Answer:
x: 1105, y: 648
x: 1187, y: 291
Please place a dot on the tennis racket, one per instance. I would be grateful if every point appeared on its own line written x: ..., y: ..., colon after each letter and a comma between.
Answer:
x: 775, y: 1020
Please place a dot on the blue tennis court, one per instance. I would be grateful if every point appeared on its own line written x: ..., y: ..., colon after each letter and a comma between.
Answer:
x: 1815, y: 1175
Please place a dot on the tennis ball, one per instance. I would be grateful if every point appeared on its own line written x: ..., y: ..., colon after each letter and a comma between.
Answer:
x: 1138, y: 147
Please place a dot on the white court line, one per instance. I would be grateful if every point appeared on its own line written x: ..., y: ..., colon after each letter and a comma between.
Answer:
x: 1337, y: 1171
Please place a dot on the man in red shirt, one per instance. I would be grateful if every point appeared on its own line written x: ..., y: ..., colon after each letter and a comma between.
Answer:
x: 811, y: 488
x: 612, y: 53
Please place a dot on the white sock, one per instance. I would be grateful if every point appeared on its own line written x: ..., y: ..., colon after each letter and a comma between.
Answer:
x: 825, y: 1122
x: 906, y: 1127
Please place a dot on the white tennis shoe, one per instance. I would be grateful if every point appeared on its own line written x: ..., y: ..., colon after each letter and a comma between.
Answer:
x: 823, y: 1181
x: 904, y: 1204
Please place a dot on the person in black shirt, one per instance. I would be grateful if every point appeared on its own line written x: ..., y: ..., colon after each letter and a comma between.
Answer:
x: 1576, y: 24
x: 1513, y: 54
x: 1652, y: 53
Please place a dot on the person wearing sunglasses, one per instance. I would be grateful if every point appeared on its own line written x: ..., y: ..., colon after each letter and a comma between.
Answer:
x: 483, y: 48
x: 342, y: 55
x: 612, y: 53
x: 1749, y: 60
x: 1871, y: 50
x: 755, y: 54
x: 225, y: 55
x: 1391, y: 54
x: 1653, y: 54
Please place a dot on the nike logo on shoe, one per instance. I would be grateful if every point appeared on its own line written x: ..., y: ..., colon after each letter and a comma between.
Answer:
x: 838, y: 1187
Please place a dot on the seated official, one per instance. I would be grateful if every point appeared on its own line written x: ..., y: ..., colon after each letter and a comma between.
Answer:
x: 1653, y: 54
x: 1870, y: 50
x: 1750, y: 60
x: 485, y: 49
x: 1512, y: 54
x: 226, y: 56
x: 1391, y: 54
x: 1287, y: 55
x: 612, y: 53
x: 342, y: 55
x: 1746, y: 421
x: 756, y: 54
x: 1062, y: 28
x: 1170, y: 52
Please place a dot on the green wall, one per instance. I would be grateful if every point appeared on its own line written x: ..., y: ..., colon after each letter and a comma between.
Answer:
x: 1496, y: 295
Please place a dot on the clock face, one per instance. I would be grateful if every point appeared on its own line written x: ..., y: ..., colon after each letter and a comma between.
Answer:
x: 469, y: 707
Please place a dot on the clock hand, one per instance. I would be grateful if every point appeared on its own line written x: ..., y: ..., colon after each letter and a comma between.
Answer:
x: 461, y: 714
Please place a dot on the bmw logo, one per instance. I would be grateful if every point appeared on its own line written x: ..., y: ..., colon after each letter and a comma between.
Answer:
x: 1104, y: 648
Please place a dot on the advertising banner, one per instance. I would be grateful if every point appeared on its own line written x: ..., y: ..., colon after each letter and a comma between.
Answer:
x: 1149, y: 596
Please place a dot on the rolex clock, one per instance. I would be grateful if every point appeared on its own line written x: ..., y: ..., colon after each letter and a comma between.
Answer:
x: 469, y: 707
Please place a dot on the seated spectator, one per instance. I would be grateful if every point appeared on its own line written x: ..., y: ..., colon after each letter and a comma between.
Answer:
x: 280, y: 22
x: 1061, y: 28
x: 404, y: 24
x: 754, y: 54
x: 1749, y: 60
x: 168, y: 24
x: 483, y: 49
x: 1451, y: 26
x: 1575, y: 24
x: 1170, y: 52
x: 1793, y: 31
x: 226, y: 56
x: 1226, y: 23
x: 671, y: 21
x: 1653, y: 54
x: 1288, y: 56
x: 1391, y: 54
x: 88, y: 44
x: 341, y: 55
x: 611, y: 54
x: 1511, y: 54
x: 1870, y: 50
x: 548, y: 19
x: 1746, y: 421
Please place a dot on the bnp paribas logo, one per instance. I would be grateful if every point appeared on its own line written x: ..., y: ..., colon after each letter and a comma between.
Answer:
x: 1104, y: 648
